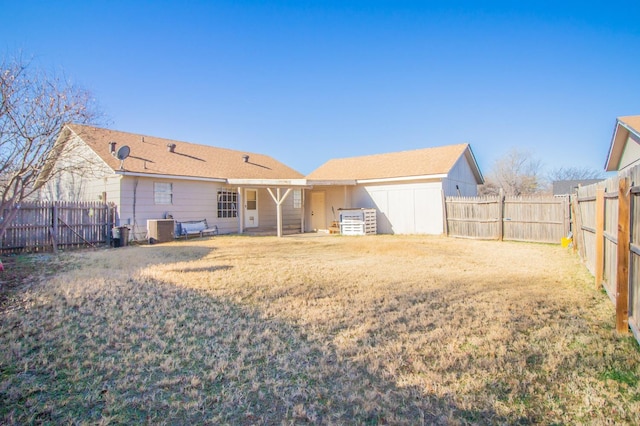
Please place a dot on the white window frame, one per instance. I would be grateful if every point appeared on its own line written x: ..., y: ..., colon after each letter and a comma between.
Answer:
x: 227, y: 203
x: 297, y: 198
x: 163, y: 193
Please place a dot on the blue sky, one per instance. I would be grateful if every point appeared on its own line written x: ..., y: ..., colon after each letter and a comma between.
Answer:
x: 307, y: 81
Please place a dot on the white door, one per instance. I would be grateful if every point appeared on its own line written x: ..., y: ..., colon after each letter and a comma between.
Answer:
x: 250, y: 208
x: 318, y: 219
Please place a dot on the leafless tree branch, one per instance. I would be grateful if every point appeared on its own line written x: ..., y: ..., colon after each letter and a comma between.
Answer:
x: 517, y: 173
x: 34, y: 106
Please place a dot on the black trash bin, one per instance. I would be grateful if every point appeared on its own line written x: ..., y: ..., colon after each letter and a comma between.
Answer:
x: 124, y: 236
x: 115, y: 236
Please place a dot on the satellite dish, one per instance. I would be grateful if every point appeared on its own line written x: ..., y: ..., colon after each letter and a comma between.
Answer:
x: 123, y: 152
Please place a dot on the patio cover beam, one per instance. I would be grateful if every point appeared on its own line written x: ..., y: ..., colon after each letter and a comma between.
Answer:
x: 279, y: 199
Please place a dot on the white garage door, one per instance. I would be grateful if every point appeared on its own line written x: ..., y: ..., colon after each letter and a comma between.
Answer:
x: 405, y: 209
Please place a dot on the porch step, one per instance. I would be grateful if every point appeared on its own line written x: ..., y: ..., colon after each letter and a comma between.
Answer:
x: 271, y: 231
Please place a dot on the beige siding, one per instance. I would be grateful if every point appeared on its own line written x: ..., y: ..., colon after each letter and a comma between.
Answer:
x: 336, y: 197
x: 109, y: 185
x: 192, y: 200
x: 267, y: 210
x: 461, y: 175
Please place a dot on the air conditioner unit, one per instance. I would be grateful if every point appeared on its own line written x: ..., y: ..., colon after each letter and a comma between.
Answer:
x: 160, y: 230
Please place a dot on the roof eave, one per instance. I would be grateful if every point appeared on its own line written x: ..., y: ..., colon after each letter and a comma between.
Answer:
x: 272, y: 183
x: 403, y: 178
x: 165, y: 176
x: 471, y: 158
x: 620, y: 135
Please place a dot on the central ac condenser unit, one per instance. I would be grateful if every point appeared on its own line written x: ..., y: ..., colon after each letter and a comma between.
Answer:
x: 160, y: 230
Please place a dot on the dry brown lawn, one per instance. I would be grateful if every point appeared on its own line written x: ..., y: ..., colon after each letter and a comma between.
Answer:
x: 320, y: 330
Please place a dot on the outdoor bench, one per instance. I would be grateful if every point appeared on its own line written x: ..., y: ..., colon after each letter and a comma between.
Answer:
x: 195, y: 227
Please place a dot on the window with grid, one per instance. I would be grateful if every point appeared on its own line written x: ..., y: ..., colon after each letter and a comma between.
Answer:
x: 297, y: 198
x: 227, y: 203
x: 163, y: 193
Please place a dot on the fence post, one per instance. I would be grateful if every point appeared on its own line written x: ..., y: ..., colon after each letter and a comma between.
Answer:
x: 622, y: 276
x: 445, y: 212
x: 109, y: 225
x: 501, y: 215
x: 54, y: 227
x: 566, y: 206
x: 599, y: 275
x: 576, y: 225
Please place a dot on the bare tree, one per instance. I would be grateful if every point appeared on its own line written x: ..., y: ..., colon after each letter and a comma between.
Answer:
x: 34, y: 106
x: 574, y: 173
x: 516, y: 173
x: 489, y: 188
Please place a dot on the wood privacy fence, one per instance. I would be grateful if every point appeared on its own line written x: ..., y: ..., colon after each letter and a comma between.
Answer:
x: 607, y: 217
x: 48, y: 226
x: 534, y: 219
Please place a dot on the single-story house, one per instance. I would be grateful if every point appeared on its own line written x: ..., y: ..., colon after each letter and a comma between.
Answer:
x: 624, y: 152
x: 406, y: 188
x: 153, y: 178
x: 238, y: 192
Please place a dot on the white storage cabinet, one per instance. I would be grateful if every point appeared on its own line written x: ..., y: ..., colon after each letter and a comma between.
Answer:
x: 357, y: 221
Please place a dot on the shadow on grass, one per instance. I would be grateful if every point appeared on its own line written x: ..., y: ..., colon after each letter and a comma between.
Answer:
x: 150, y: 351
x: 203, y: 269
x: 154, y: 352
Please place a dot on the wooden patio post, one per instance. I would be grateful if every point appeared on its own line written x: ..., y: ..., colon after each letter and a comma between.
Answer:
x: 622, y: 276
x: 279, y: 213
x: 599, y: 237
x: 279, y: 199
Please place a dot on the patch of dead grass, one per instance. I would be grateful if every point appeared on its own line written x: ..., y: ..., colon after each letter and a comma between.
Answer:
x: 372, y: 330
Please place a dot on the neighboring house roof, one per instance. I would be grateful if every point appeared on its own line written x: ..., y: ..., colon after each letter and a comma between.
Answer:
x: 151, y: 156
x: 625, y: 128
x: 424, y: 162
x: 631, y: 121
x: 565, y: 187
